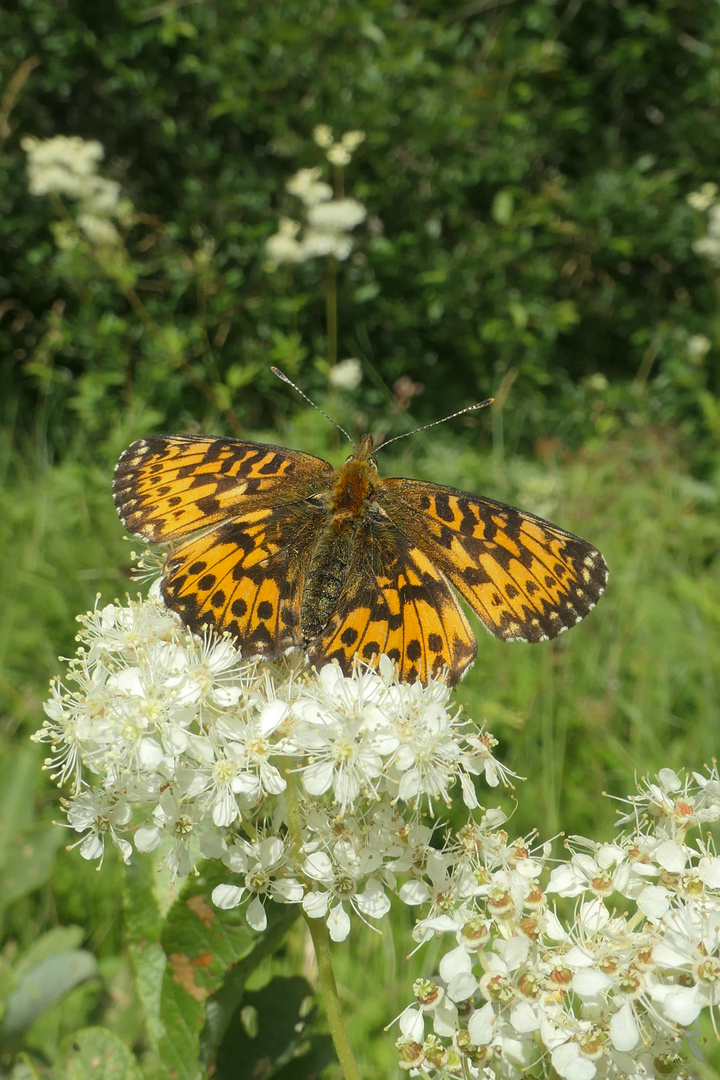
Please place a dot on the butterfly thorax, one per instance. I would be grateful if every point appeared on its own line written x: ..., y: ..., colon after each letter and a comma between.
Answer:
x: 354, y: 482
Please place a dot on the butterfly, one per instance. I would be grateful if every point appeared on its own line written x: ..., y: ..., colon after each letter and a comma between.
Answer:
x: 282, y: 550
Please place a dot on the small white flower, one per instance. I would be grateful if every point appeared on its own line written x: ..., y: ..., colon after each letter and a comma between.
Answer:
x: 704, y: 198
x: 352, y: 139
x: 569, y: 1062
x: 709, y: 246
x: 283, y: 246
x: 316, y: 243
x: 338, y: 215
x: 308, y: 187
x: 322, y: 136
x: 264, y: 868
x: 698, y: 346
x: 68, y: 167
x: 98, y: 230
x: 713, y: 221
x: 339, y: 155
x: 346, y: 375
x: 62, y: 165
x: 98, y: 815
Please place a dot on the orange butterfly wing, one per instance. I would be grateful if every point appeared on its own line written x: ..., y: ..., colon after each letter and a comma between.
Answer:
x: 244, y: 573
x: 168, y: 486
x: 396, y: 602
x: 526, y: 579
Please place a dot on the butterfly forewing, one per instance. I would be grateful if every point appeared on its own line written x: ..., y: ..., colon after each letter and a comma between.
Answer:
x: 525, y: 578
x: 168, y: 486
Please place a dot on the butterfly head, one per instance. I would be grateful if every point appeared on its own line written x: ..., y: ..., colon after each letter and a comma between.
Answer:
x: 355, y: 480
x: 364, y: 452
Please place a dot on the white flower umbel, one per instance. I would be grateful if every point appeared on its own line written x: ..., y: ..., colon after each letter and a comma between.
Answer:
x: 309, y: 188
x: 706, y: 201
x: 62, y: 165
x: 337, y: 216
x: 612, y: 991
x: 309, y: 788
x: 66, y: 167
x: 327, y: 217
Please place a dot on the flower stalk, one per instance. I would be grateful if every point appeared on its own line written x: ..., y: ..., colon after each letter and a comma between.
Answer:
x: 331, y: 999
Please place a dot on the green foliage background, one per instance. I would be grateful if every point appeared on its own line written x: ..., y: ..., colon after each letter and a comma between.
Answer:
x: 525, y: 168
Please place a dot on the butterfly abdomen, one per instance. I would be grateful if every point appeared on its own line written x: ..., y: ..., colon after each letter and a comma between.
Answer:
x: 332, y: 562
x: 327, y: 574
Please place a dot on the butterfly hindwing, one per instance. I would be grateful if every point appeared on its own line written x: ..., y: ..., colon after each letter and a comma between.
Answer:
x: 246, y: 577
x: 398, y: 603
x: 167, y: 487
x: 525, y: 578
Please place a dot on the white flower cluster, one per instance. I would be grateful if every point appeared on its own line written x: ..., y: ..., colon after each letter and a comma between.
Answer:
x: 612, y: 992
x: 705, y: 200
x: 67, y: 166
x: 327, y: 222
x: 308, y: 787
x: 339, y: 152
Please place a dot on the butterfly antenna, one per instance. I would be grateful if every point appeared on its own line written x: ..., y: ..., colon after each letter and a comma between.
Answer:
x: 281, y: 375
x: 470, y: 408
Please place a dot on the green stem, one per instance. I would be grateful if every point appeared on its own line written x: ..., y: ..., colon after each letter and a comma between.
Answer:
x: 321, y: 941
x: 331, y: 999
x: 331, y: 311
x: 292, y: 808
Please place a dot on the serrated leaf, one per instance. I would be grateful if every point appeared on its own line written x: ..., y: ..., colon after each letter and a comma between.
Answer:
x: 143, y: 926
x: 201, y: 943
x: 96, y: 1053
x: 223, y: 1005
x: 149, y: 963
x: 142, y: 918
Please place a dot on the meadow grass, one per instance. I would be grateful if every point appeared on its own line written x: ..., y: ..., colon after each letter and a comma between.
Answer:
x: 632, y: 689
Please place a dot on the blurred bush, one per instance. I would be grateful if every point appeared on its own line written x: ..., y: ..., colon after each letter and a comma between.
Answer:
x: 525, y: 168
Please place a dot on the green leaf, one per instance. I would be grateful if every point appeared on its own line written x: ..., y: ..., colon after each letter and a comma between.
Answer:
x: 24, y: 1069
x: 143, y: 926
x: 268, y: 1038
x: 43, y: 986
x: 201, y: 943
x: 502, y: 207
x: 60, y: 939
x: 19, y: 777
x: 96, y: 1053
x: 518, y: 314
x: 29, y: 861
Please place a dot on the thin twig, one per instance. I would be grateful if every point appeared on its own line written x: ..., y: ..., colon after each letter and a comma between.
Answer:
x: 12, y: 92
